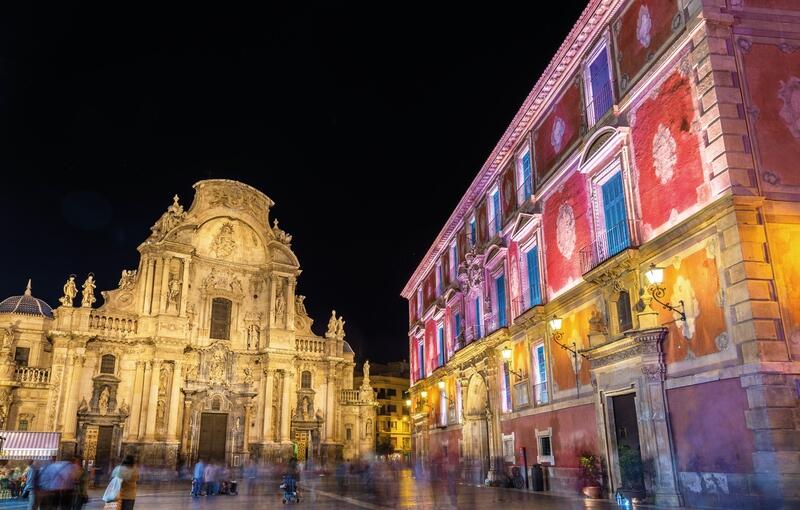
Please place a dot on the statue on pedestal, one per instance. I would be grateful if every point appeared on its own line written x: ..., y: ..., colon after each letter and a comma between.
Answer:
x: 70, y: 291
x: 88, y: 292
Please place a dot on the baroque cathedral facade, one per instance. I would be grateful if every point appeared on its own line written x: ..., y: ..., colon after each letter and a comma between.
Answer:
x: 205, y: 350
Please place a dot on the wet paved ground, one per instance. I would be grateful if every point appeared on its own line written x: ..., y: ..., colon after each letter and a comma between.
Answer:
x: 397, y: 490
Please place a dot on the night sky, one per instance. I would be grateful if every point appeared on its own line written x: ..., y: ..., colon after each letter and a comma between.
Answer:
x: 364, y: 124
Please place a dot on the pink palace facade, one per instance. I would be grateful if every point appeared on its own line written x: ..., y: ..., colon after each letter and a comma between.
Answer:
x: 622, y: 277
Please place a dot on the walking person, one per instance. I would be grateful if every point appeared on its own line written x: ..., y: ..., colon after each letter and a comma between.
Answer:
x: 129, y: 474
x: 198, y: 478
x: 31, y: 488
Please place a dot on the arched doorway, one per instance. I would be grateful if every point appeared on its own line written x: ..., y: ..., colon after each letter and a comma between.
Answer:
x: 476, y: 431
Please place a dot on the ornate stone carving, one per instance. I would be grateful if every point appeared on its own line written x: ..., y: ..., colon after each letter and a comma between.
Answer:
x: 299, y: 306
x: 169, y: 220
x: 222, y: 280
x: 216, y: 372
x: 88, y: 292
x: 654, y: 373
x: 235, y: 196
x: 253, y: 336
x: 332, y: 326
x: 223, y: 244
x: 102, y: 403
x: 280, y: 302
x: 127, y: 279
x: 174, y: 292
x: 280, y: 235
x: 470, y: 272
x: 70, y: 291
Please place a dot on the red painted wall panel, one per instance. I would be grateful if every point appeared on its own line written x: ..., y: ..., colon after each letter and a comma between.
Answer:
x: 559, y: 130
x: 640, y: 33
x: 483, y: 227
x: 709, y: 429
x: 574, y: 432
x: 669, y: 169
x: 462, y: 244
x: 430, y: 347
x: 566, y: 230
x: 773, y: 91
x: 515, y: 286
x: 508, y: 193
x: 429, y: 290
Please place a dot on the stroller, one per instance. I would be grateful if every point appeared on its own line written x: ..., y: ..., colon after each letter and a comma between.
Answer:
x: 289, y: 487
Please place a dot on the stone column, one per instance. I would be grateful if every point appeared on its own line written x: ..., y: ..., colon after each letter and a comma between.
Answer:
x: 144, y: 272
x: 330, y: 404
x: 148, y: 284
x: 493, y: 419
x: 248, y: 408
x: 152, y: 404
x: 136, y: 402
x: 163, y: 301
x: 286, y: 412
x: 70, y: 409
x: 266, y: 426
x: 174, y: 402
x: 184, y: 287
x: 291, y: 283
x: 148, y: 375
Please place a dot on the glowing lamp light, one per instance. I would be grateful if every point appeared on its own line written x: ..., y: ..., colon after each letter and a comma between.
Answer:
x: 654, y: 275
x: 423, y: 394
x: 555, y: 323
x: 441, y: 385
x: 408, y: 402
x: 506, y: 353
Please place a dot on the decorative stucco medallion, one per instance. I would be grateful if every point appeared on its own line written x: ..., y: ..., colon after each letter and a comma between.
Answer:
x: 224, y: 243
x: 557, y: 136
x: 664, y: 154
x: 644, y: 26
x: 565, y: 230
x: 789, y: 93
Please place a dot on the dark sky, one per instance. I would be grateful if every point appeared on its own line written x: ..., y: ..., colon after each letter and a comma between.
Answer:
x: 364, y: 124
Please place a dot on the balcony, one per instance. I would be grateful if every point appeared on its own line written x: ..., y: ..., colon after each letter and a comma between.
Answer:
x: 540, y: 394
x: 112, y: 325
x: 521, y: 395
x: 601, y: 101
x: 312, y: 345
x: 32, y: 375
x: 608, y: 243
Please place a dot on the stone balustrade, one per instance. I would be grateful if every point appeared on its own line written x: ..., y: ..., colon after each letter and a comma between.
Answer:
x: 313, y: 345
x: 350, y: 396
x: 111, y: 324
x: 32, y: 375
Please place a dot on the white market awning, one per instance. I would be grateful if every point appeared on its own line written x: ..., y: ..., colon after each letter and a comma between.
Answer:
x: 22, y: 445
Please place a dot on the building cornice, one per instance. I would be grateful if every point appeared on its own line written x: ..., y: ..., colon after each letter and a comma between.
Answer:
x: 591, y: 21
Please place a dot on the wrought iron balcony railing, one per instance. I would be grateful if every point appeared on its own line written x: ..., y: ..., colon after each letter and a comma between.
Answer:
x: 540, y: 394
x: 607, y: 244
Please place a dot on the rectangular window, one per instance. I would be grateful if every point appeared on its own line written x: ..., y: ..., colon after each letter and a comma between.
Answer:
x: 421, y: 359
x: 440, y: 344
x: 454, y: 261
x: 473, y: 232
x: 506, y: 388
x: 615, y: 216
x: 21, y: 355
x: 439, y: 279
x: 544, y: 445
x: 534, y: 287
x: 598, y: 81
x: 457, y: 329
x: 495, y: 213
x: 524, y: 177
x: 477, y: 309
x: 508, y: 447
x: 500, y: 289
x: 419, y: 302
x: 391, y: 392
x: 540, y: 375
x: 23, y: 424
x: 349, y: 433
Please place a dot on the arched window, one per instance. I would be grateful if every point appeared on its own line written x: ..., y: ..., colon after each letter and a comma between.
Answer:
x: 624, y: 311
x: 221, y: 319
x: 305, y: 380
x: 108, y: 364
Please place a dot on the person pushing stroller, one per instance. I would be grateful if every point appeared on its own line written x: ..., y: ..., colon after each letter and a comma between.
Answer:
x: 289, y: 484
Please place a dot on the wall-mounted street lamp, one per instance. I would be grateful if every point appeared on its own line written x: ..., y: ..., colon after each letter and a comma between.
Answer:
x: 423, y: 394
x: 408, y: 402
x: 655, y: 277
x: 558, y: 335
x: 507, y: 352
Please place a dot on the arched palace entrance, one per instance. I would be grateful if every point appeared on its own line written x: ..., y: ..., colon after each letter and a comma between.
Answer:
x: 476, y: 431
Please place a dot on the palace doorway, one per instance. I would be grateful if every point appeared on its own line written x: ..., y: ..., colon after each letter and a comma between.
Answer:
x: 476, y: 432
x: 626, y: 437
x: 213, y: 437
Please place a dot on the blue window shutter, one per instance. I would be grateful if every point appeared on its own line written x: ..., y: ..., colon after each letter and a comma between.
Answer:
x: 533, y: 277
x: 500, y: 285
x: 473, y: 231
x: 601, y: 84
x: 457, y: 325
x: 421, y: 360
x: 477, y: 318
x: 441, y: 345
x: 541, y: 366
x: 615, y: 216
x: 527, y: 175
x: 498, y: 222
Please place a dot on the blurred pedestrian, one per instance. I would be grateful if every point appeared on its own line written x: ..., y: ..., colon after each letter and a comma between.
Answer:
x: 198, y: 478
x: 31, y: 488
x: 129, y: 474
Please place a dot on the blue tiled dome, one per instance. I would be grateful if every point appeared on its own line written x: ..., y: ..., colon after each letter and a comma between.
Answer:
x: 26, y: 305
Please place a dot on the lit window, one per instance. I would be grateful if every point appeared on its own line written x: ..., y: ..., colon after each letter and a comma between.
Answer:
x: 524, y: 176
x: 599, y: 93
x: 220, y: 319
x: 495, y: 213
x: 540, y: 394
x: 473, y: 232
x: 615, y: 217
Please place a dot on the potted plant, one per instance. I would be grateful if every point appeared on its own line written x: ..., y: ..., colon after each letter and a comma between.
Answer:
x: 591, y: 475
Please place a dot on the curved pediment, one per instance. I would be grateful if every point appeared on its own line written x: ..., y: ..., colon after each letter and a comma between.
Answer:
x: 231, y: 240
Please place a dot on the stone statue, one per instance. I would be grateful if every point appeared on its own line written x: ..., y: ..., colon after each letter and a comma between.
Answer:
x: 365, y: 382
x: 319, y: 414
x: 160, y: 411
x: 127, y: 279
x: 280, y: 302
x: 253, y: 336
x: 102, y: 402
x: 280, y: 235
x: 340, y: 328
x: 332, y: 325
x: 217, y: 372
x: 163, y: 380
x: 70, y: 291
x: 299, y: 305
x: 174, y: 291
x: 88, y: 292
x: 248, y: 375
x: 83, y: 407
x: 191, y: 372
x: 169, y: 220
x: 123, y: 408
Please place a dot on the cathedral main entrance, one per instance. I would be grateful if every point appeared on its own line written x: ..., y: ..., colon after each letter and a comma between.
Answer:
x: 213, y: 437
